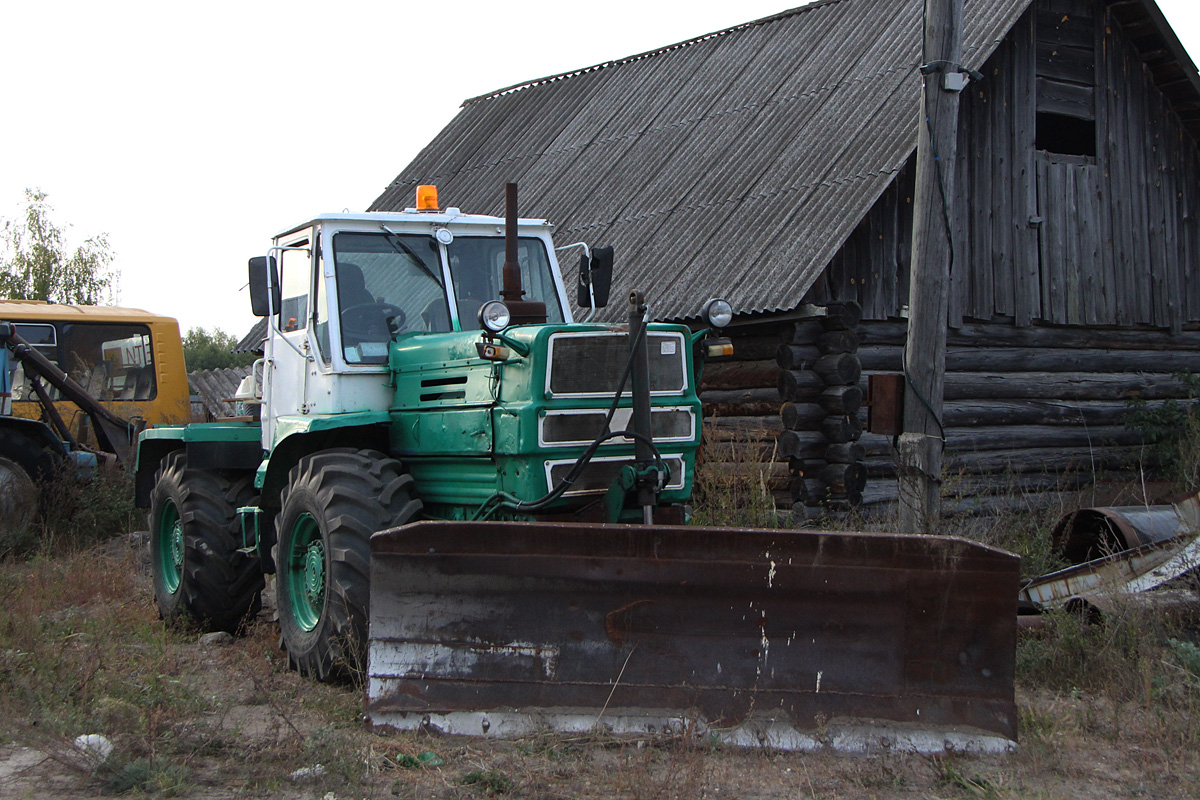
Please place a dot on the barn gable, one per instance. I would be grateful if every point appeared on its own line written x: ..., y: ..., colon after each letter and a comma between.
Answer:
x: 1077, y: 185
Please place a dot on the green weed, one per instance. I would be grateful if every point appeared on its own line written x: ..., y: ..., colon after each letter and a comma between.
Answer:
x: 489, y: 782
x: 1188, y: 656
x: 76, y: 512
x: 148, y: 775
x: 1173, y: 431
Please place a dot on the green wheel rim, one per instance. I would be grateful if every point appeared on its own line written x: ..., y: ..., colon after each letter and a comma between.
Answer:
x: 306, y: 572
x: 170, y: 547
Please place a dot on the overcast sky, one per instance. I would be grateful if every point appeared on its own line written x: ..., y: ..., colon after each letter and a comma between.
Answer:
x: 190, y: 133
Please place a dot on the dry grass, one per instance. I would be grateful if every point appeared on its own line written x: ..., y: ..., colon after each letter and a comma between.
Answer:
x: 735, y: 492
x: 76, y: 512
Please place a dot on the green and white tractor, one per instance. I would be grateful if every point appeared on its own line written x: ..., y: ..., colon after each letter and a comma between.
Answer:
x: 479, y: 503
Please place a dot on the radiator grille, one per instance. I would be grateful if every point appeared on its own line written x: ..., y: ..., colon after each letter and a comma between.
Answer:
x: 576, y: 427
x: 591, y: 364
x: 600, y: 473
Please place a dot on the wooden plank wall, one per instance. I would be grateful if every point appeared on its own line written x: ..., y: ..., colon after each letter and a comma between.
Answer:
x: 1110, y: 239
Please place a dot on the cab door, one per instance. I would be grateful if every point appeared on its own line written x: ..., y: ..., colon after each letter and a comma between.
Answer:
x: 290, y: 353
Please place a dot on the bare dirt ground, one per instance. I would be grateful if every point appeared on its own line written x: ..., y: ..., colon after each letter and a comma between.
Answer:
x: 228, y: 720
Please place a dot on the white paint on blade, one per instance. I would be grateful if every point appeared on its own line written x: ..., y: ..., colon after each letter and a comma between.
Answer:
x: 459, y: 660
x: 759, y: 731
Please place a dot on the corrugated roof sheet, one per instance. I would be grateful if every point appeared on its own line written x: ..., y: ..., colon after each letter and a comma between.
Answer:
x: 252, y: 342
x: 214, y: 390
x: 733, y: 164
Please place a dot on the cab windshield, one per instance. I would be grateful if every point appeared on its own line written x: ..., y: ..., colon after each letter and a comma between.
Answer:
x: 477, y: 271
x: 389, y: 284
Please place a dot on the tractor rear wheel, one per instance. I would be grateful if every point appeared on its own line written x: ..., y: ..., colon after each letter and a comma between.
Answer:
x: 18, y: 506
x: 26, y: 465
x: 333, y: 502
x: 195, y: 541
x: 36, y: 458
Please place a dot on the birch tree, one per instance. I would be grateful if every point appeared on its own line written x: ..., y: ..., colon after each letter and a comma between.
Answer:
x: 36, y: 262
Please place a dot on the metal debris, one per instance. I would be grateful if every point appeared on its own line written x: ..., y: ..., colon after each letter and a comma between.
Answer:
x: 1119, y: 551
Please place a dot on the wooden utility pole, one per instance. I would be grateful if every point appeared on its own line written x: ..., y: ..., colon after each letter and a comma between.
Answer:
x: 925, y: 355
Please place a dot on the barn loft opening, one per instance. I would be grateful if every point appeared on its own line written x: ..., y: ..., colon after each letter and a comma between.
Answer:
x: 1066, y: 78
x: 1072, y: 136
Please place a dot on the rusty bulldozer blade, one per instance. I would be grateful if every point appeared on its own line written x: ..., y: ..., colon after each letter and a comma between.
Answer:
x: 788, y: 639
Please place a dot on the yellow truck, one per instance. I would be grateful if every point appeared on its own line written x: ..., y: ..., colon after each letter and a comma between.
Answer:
x: 76, y: 385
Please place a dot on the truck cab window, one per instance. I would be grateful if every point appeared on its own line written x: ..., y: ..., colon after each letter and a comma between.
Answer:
x: 386, y: 284
x: 477, y: 270
x: 111, y: 362
x: 295, y: 274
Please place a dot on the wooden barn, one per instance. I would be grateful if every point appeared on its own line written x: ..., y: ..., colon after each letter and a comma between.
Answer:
x: 772, y: 164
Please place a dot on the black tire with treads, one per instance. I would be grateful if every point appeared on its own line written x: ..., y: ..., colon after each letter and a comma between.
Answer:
x: 334, y: 501
x: 195, y: 542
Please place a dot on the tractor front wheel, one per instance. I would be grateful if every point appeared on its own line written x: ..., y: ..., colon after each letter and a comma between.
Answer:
x: 195, y: 546
x: 333, y: 502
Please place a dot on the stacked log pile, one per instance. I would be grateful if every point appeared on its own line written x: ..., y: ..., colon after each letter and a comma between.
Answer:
x: 741, y: 411
x: 819, y: 376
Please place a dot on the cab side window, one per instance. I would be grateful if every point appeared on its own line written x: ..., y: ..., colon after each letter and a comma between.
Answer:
x: 320, y: 314
x: 294, y: 277
x: 44, y: 339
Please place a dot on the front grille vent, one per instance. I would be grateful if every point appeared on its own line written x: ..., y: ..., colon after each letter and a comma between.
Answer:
x: 600, y: 473
x: 580, y: 427
x: 591, y: 364
x: 443, y: 389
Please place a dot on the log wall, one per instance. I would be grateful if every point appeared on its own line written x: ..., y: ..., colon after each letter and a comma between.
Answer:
x: 1037, y: 408
x: 742, y: 411
x: 1026, y: 409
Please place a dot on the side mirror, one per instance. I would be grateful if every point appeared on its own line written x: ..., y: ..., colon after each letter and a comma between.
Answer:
x: 595, y: 278
x: 260, y: 305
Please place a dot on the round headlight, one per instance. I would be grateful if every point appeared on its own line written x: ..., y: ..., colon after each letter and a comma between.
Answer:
x: 717, y: 312
x: 494, y: 316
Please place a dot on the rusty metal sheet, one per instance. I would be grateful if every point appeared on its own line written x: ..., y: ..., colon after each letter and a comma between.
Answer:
x: 1092, y: 533
x: 758, y: 637
x: 885, y: 403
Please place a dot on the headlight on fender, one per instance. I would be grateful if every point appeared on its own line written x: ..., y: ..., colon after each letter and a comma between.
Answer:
x: 717, y: 312
x: 494, y: 316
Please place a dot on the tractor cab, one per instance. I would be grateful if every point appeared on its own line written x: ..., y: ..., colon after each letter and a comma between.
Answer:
x: 338, y: 289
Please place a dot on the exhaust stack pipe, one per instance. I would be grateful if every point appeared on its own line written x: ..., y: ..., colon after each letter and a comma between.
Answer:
x: 524, y: 312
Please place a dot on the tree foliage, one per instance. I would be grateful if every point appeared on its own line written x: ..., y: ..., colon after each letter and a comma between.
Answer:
x: 35, y: 263
x: 204, y: 350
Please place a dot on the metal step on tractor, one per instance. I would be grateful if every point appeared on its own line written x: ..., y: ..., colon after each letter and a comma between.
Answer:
x: 479, y: 506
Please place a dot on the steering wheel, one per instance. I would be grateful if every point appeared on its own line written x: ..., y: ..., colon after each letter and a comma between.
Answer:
x: 372, y: 322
